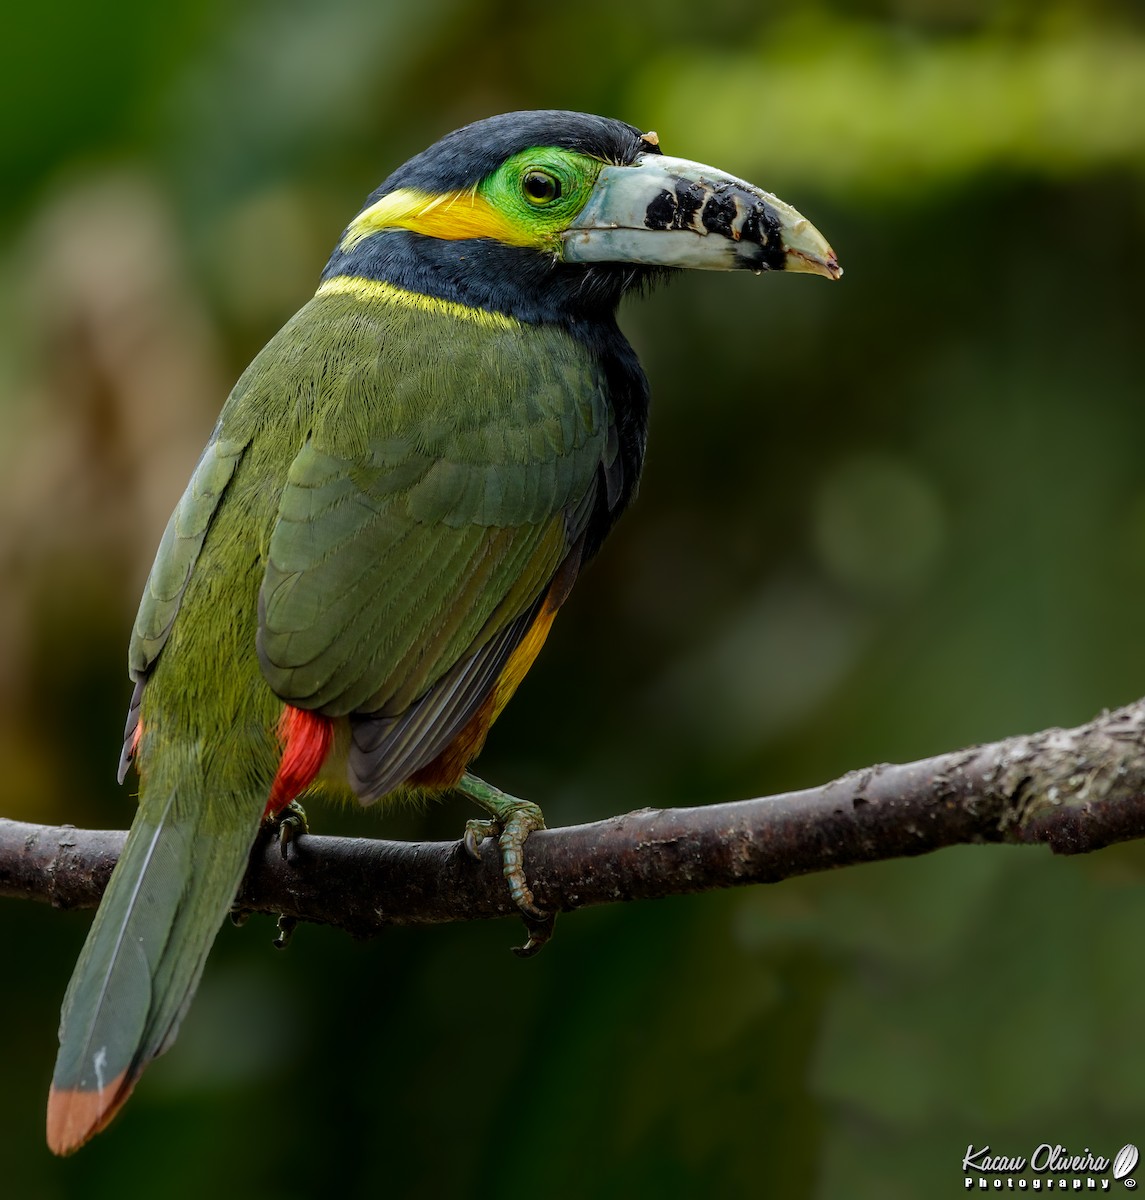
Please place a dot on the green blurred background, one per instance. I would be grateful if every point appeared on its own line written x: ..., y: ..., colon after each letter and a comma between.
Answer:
x: 880, y: 520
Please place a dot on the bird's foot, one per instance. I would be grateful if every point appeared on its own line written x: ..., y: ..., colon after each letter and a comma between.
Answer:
x: 285, y: 826
x: 289, y: 823
x: 284, y: 927
x: 511, y: 821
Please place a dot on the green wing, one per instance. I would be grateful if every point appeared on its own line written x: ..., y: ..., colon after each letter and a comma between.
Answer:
x: 179, y: 550
x: 449, y: 469
x: 175, y: 560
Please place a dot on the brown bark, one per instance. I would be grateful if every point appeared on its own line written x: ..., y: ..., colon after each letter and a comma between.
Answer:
x: 1075, y: 790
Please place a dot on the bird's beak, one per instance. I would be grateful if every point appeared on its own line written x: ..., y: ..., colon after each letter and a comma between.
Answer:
x: 669, y: 212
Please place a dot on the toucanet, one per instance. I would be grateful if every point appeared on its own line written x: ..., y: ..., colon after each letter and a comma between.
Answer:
x: 395, y: 502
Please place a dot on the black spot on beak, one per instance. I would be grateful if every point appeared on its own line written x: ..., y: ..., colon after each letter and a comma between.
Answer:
x: 677, y: 209
x: 689, y: 200
x: 769, y: 232
x: 661, y: 212
x: 718, y: 215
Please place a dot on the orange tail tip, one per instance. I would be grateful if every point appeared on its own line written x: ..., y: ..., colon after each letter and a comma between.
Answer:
x: 75, y: 1116
x: 306, y: 739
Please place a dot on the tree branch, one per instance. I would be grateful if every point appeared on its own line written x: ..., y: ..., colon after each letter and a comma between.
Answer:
x: 1075, y: 790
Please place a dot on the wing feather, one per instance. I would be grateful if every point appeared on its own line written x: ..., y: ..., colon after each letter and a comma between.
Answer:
x: 179, y: 551
x: 422, y: 521
x: 386, y: 751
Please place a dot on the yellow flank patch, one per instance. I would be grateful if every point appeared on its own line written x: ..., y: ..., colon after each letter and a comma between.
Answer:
x: 369, y: 290
x: 453, y: 217
x: 521, y: 660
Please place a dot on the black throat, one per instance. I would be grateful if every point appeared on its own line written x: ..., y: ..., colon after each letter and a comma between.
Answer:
x: 482, y: 273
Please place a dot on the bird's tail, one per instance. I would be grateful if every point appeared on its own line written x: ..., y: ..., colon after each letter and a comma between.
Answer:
x: 171, y: 890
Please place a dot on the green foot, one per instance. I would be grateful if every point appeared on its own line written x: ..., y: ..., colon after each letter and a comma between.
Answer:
x: 290, y: 821
x: 511, y: 821
x: 287, y: 825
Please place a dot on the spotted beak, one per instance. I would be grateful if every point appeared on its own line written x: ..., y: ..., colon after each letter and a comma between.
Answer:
x: 669, y: 212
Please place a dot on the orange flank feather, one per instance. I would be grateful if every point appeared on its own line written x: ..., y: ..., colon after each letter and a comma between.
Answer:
x: 306, y: 737
x: 76, y: 1115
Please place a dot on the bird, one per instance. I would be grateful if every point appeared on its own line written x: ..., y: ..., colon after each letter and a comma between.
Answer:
x: 395, y: 502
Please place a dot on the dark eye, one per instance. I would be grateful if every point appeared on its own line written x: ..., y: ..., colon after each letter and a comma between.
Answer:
x: 541, y: 187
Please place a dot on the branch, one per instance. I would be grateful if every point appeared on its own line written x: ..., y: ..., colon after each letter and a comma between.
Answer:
x: 1075, y: 790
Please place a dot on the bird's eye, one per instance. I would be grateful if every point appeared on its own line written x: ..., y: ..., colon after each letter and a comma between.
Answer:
x: 541, y: 187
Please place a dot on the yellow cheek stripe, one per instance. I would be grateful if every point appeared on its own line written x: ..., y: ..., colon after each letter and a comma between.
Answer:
x: 453, y: 217
x: 373, y: 290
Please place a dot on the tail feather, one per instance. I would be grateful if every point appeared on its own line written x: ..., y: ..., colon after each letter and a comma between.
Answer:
x: 144, y: 955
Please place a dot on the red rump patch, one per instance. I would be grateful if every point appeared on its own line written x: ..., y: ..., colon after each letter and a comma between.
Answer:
x: 306, y: 738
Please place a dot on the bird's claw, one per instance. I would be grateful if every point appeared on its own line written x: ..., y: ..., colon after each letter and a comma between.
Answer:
x: 539, y: 934
x: 286, y: 827
x: 510, y: 822
x: 476, y: 831
x: 511, y: 831
x: 522, y: 821
x: 291, y: 823
x: 286, y: 926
